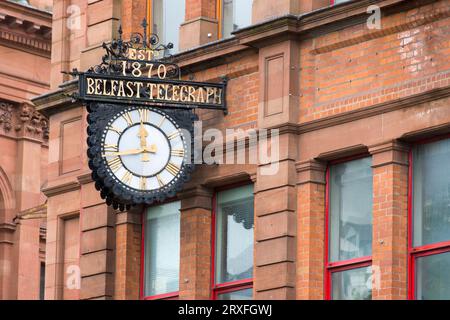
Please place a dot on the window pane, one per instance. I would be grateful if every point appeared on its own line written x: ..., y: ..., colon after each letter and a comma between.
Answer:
x: 350, y: 210
x: 246, y: 294
x: 236, y: 14
x: 162, y: 249
x: 234, y: 234
x: 340, y: 1
x: 431, y: 187
x: 168, y: 15
x: 355, y: 284
x: 433, y: 277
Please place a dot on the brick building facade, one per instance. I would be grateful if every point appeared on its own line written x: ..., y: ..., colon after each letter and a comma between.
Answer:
x: 359, y: 206
x: 25, y: 48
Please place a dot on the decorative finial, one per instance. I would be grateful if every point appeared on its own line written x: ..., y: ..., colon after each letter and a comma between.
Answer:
x: 144, y: 26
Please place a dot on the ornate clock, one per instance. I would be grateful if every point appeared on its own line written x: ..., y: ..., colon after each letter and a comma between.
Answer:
x: 140, y: 120
x: 139, y: 154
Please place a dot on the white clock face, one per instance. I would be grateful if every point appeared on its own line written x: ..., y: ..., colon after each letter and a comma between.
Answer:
x: 143, y: 148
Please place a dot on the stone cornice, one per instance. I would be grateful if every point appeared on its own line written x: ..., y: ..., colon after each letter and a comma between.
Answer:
x: 374, y: 110
x: 61, y: 188
x: 229, y: 179
x: 57, y: 100
x: 25, y: 28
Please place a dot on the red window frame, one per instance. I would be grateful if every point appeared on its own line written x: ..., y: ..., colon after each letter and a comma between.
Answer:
x: 338, y: 266
x: 424, y: 250
x: 165, y: 296
x: 218, y: 289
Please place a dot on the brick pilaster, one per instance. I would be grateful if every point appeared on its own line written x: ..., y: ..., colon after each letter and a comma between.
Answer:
x: 390, y: 206
x: 128, y: 254
x: 275, y: 226
x: 311, y: 229
x: 195, y: 243
x: 97, y: 241
x: 201, y: 24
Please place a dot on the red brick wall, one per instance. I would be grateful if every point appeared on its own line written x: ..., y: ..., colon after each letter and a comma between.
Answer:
x: 357, y: 67
x: 132, y: 14
x: 200, y: 8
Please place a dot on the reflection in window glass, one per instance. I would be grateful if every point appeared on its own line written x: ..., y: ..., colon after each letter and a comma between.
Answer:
x: 234, y: 234
x: 168, y: 15
x: 340, y: 1
x: 354, y: 284
x: 433, y: 277
x: 431, y: 189
x: 350, y: 210
x: 162, y: 249
x: 245, y: 294
x: 236, y: 14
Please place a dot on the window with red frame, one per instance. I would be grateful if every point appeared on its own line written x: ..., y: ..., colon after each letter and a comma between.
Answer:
x: 429, y: 221
x: 233, y: 225
x: 339, y: 1
x: 161, y: 252
x: 349, y: 230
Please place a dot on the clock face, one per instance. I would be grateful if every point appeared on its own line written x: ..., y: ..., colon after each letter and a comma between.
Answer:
x: 143, y: 149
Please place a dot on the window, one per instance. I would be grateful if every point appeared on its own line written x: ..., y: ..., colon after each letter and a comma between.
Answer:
x: 42, y: 282
x: 234, y: 14
x: 161, y: 251
x: 166, y: 18
x: 429, y: 245
x: 349, y: 230
x: 233, y: 249
x: 338, y: 1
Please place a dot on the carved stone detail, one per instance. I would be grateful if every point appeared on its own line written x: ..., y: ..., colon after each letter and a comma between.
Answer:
x: 30, y: 121
x: 6, y: 112
x: 24, y: 119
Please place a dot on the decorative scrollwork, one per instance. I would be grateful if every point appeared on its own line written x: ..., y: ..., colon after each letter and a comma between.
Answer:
x: 141, y: 51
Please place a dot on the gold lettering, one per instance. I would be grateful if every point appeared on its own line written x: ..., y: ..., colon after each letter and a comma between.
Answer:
x: 200, y: 95
x: 177, y: 152
x: 151, y: 86
x: 132, y: 53
x: 143, y: 183
x: 114, y: 87
x: 90, y: 86
x: 121, y: 91
x: 128, y: 119
x: 114, y: 164
x: 184, y: 94
x: 173, y: 135
x: 159, y: 96
x: 138, y: 88
x: 191, y: 94
x: 127, y: 177
x: 166, y: 88
x: 176, y: 93
x: 105, y: 93
x: 209, y: 94
x: 98, y: 87
x: 173, y: 168
x: 130, y: 89
x: 218, y: 95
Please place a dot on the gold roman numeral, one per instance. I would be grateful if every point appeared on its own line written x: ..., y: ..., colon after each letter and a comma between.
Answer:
x: 111, y: 148
x: 114, y: 129
x: 127, y: 177
x: 173, y: 168
x: 114, y: 164
x: 161, y: 122
x: 173, y: 135
x: 128, y: 119
x: 177, y: 152
x: 143, y: 183
x: 160, y: 182
x: 143, y: 114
